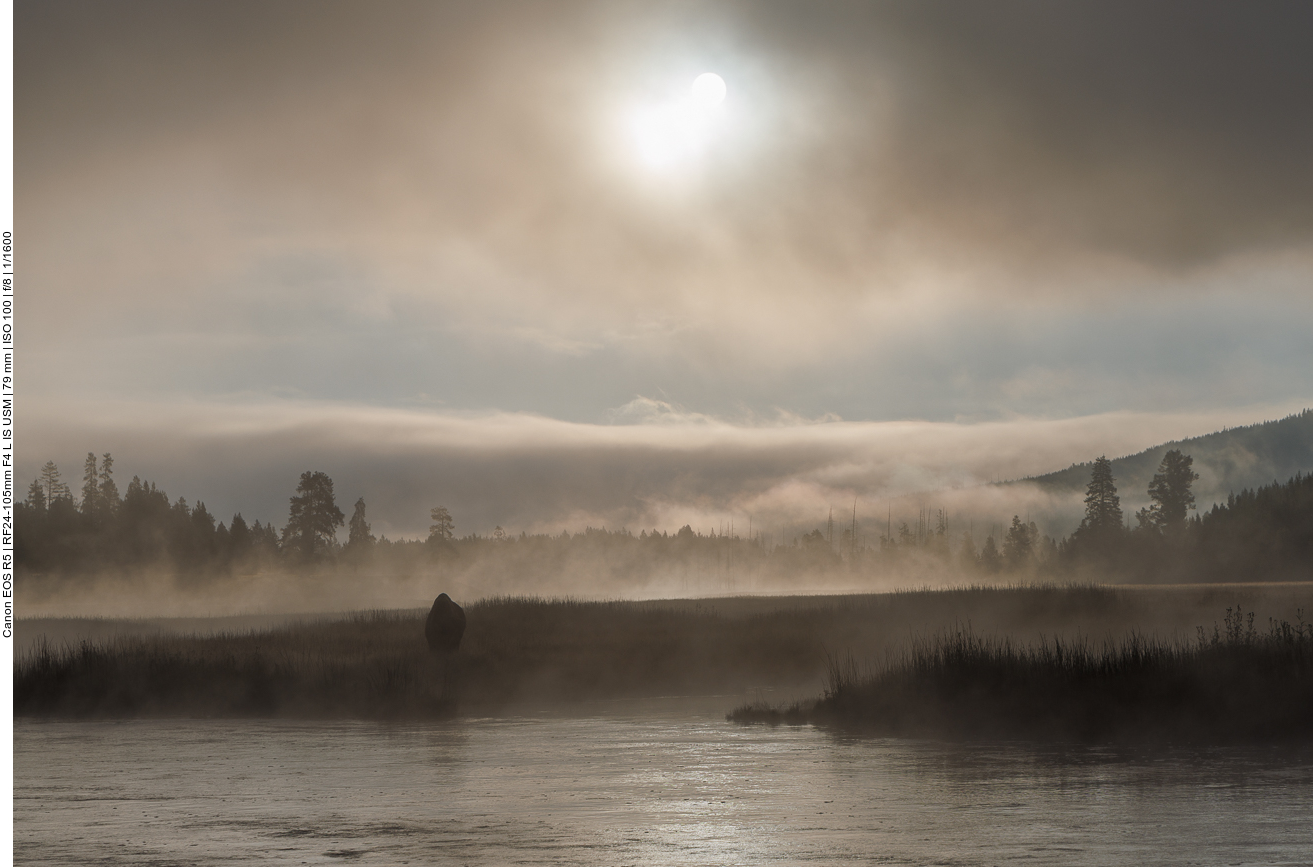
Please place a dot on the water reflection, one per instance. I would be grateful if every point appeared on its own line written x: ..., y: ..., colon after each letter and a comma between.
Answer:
x: 645, y: 784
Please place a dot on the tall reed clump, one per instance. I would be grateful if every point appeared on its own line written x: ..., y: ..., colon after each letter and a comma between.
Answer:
x: 1237, y: 684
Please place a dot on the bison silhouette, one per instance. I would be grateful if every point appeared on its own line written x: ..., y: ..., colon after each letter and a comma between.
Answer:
x: 445, y: 625
x: 443, y: 630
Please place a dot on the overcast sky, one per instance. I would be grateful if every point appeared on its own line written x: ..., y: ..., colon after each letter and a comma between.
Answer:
x: 270, y: 235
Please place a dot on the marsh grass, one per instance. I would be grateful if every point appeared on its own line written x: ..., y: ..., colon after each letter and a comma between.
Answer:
x: 527, y: 651
x: 349, y: 668
x: 376, y: 664
x: 1238, y: 683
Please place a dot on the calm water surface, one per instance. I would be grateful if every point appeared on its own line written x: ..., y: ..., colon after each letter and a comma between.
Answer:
x: 644, y: 785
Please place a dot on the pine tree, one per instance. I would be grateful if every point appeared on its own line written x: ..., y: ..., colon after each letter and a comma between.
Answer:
x: 239, y: 537
x: 443, y: 528
x: 314, y: 517
x: 36, y: 497
x: 1018, y: 544
x: 1103, y: 508
x: 91, y: 489
x: 1171, y: 494
x: 54, y: 485
x: 264, y: 539
x: 359, y: 539
x: 203, y: 532
x: 109, y: 492
x: 223, y: 544
x: 32, y: 539
x: 1101, y: 531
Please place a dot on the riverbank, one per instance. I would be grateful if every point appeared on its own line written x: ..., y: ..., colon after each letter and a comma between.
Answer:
x: 527, y: 652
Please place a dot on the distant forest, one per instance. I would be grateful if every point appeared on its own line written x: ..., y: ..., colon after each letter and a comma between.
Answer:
x: 1260, y: 534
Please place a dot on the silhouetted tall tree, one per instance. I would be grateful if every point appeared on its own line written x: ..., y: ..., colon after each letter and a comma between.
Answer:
x: 314, y: 517
x: 32, y: 536
x: 239, y: 537
x: 223, y: 545
x: 36, y: 497
x: 1171, y: 494
x: 359, y: 540
x: 54, y: 485
x: 443, y: 528
x: 1101, y: 531
x: 107, y: 490
x: 91, y: 490
x: 204, y: 532
x: 1103, y: 508
x: 1018, y: 544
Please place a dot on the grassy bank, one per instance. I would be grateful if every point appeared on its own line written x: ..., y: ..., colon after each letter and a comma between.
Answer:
x: 1235, y: 683
x: 530, y: 651
x: 376, y: 664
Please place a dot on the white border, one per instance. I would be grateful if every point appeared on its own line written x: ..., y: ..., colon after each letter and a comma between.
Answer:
x: 8, y: 603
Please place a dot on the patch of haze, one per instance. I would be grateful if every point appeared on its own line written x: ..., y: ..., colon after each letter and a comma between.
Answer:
x: 533, y: 474
x: 515, y: 568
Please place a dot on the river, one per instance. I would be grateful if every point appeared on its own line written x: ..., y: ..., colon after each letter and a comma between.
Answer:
x: 653, y: 783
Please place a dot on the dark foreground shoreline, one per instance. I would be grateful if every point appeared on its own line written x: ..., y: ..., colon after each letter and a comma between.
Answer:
x: 374, y: 665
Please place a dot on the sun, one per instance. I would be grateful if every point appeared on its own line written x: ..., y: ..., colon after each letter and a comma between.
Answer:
x: 708, y: 90
x: 679, y: 131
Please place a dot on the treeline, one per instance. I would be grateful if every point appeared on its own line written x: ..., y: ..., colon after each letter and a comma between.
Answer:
x: 1265, y: 534
x: 58, y: 534
x: 102, y: 529
x: 1021, y: 548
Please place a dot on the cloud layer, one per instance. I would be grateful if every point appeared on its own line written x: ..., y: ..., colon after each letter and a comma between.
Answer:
x: 919, y: 211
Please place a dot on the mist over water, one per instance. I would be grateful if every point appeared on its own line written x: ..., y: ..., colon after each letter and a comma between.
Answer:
x: 651, y: 782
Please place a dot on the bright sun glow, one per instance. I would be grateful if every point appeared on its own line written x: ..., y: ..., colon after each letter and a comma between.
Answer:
x: 676, y: 132
x: 708, y: 89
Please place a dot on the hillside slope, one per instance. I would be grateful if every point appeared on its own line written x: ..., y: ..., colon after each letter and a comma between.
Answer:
x: 1228, y: 461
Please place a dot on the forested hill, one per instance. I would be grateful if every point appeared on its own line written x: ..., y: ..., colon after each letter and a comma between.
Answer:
x: 1228, y: 461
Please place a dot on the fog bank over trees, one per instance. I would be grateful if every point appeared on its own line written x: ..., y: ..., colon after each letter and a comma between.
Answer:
x: 667, y: 468
x: 1227, y: 461
x: 66, y: 546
